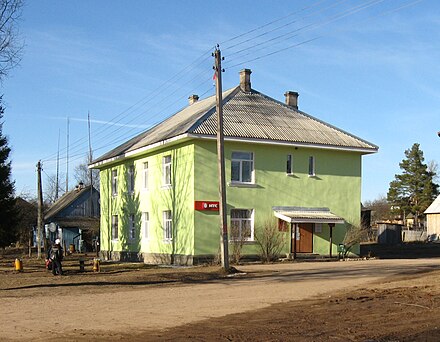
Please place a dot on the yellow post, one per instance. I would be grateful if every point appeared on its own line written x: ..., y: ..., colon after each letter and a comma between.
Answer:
x: 18, y: 265
x: 96, y: 264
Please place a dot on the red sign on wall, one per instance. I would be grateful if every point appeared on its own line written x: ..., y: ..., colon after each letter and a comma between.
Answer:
x: 205, y: 205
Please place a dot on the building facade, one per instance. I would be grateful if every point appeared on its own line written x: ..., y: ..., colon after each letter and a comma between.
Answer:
x: 159, y: 191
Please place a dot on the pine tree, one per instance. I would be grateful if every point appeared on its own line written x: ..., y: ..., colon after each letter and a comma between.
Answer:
x: 8, y: 215
x: 413, y: 190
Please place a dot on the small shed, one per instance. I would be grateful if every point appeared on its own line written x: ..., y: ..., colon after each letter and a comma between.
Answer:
x: 433, y: 217
x: 389, y: 234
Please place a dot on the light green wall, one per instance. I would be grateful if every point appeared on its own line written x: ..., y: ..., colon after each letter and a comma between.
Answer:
x: 337, y: 185
x: 178, y: 198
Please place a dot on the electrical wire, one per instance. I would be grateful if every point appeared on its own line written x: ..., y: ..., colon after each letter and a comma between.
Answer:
x: 411, y: 3
x: 202, y: 59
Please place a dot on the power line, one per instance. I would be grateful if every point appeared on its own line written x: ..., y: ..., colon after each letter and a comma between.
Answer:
x: 333, y: 4
x: 340, y: 16
x: 305, y: 28
x: 154, y: 100
x: 270, y: 23
x: 179, y: 75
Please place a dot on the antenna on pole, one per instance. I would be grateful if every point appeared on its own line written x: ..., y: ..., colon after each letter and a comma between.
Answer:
x: 67, y: 157
x: 90, y: 161
x: 58, y: 168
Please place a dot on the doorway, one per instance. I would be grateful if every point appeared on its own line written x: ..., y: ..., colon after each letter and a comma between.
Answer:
x: 304, y: 238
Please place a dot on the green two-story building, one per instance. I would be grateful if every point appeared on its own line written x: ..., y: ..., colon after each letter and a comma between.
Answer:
x: 159, y: 190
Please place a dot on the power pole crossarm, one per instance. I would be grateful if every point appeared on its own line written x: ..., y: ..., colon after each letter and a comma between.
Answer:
x: 221, y: 161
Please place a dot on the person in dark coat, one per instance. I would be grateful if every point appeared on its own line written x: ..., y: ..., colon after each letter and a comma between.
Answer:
x: 55, y: 254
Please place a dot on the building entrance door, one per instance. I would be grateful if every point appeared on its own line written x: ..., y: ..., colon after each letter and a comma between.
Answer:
x: 304, y: 238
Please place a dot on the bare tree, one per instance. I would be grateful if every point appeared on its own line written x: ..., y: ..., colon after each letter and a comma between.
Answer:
x: 11, y: 45
x: 353, y: 236
x: 50, y: 188
x: 433, y: 168
x: 82, y: 174
x: 239, y: 237
x: 380, y: 209
x: 270, y: 240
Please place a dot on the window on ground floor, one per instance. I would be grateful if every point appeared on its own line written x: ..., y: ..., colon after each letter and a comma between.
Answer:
x: 242, y: 225
x: 115, y: 228
x: 146, y: 224
x: 131, y: 227
x: 168, y: 225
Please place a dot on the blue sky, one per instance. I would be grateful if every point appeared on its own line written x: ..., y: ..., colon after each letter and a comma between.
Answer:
x: 368, y: 67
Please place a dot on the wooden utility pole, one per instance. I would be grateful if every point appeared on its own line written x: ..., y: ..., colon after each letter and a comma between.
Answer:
x: 40, y: 210
x: 221, y: 161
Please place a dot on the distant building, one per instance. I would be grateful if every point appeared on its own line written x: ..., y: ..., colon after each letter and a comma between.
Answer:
x: 433, y: 217
x: 74, y: 218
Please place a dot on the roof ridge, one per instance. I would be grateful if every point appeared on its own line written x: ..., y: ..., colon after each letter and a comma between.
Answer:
x: 315, y: 118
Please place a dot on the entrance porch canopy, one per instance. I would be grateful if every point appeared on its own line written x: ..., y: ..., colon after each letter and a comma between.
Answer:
x: 295, y: 215
x: 306, y: 215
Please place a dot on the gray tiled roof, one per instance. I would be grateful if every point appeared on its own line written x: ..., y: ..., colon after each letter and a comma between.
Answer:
x: 252, y: 116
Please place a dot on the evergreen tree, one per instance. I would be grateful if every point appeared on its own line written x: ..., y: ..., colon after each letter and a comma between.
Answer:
x: 413, y: 190
x: 8, y: 215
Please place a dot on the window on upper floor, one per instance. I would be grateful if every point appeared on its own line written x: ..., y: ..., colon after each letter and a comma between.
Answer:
x: 130, y: 180
x: 289, y: 165
x: 114, y: 182
x: 242, y: 224
x: 168, y: 225
x: 166, y: 170
x: 242, y: 167
x: 115, y: 228
x: 145, y: 176
x: 312, y: 166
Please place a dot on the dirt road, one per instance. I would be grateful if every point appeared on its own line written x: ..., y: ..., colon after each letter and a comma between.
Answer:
x: 93, y: 311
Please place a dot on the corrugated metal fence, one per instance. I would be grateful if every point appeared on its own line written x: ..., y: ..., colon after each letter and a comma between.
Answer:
x: 409, y: 235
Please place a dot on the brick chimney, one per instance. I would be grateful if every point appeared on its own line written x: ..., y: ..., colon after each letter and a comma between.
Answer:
x: 245, y: 80
x: 291, y: 99
x: 193, y: 99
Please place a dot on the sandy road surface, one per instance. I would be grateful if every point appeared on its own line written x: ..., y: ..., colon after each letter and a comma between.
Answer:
x: 97, y: 312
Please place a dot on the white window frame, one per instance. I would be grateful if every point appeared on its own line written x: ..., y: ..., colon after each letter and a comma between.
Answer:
x: 115, y: 227
x: 312, y: 166
x: 145, y: 175
x: 240, y: 162
x: 130, y: 180
x: 240, y: 222
x: 132, y: 227
x: 166, y: 170
x: 167, y: 225
x: 146, y: 224
x: 115, y: 182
